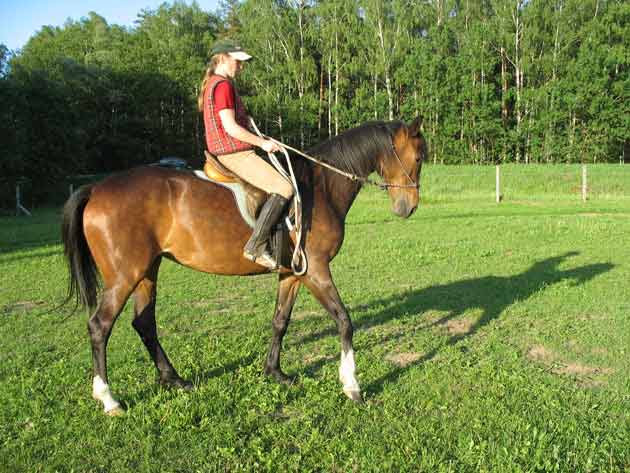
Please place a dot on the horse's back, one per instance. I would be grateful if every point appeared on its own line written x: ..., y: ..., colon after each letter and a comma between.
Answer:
x: 149, y: 211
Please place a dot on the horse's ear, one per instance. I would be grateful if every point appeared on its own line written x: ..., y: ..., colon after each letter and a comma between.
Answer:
x: 416, y: 125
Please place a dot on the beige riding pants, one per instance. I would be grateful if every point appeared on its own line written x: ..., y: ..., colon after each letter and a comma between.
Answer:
x: 258, y: 172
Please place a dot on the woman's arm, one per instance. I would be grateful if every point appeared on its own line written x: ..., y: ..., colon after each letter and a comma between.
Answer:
x: 232, y: 128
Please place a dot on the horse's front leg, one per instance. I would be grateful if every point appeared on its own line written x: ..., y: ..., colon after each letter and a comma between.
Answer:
x: 319, y: 282
x: 288, y: 287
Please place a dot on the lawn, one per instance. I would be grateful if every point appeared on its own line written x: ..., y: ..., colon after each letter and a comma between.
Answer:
x: 488, y: 338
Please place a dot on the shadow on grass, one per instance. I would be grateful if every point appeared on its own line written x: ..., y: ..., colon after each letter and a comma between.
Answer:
x: 491, y: 294
x: 202, y: 378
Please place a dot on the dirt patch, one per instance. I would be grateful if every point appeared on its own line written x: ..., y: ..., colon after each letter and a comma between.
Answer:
x: 202, y: 304
x: 590, y: 317
x: 586, y: 375
x: 403, y: 359
x: 21, y: 306
x: 214, y: 306
x: 305, y: 314
x: 540, y: 353
x: 578, y: 369
x: 459, y: 326
x: 313, y: 358
x: 599, y: 351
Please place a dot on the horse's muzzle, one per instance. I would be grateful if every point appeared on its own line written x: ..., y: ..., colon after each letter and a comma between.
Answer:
x: 403, y: 209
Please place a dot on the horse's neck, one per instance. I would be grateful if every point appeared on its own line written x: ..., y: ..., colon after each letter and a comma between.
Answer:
x: 340, y: 192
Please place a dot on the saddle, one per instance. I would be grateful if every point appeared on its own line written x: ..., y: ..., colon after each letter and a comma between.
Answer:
x: 249, y: 200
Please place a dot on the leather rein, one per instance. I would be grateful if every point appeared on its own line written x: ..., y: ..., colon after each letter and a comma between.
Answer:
x: 354, y: 177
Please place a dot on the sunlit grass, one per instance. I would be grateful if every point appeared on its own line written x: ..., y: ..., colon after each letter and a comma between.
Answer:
x: 488, y: 338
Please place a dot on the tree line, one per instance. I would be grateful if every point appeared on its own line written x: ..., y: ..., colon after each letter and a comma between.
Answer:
x: 494, y: 80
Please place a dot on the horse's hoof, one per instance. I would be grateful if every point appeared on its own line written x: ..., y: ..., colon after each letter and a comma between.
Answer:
x: 176, y: 383
x: 115, y: 412
x: 280, y: 377
x: 184, y: 385
x: 354, y: 395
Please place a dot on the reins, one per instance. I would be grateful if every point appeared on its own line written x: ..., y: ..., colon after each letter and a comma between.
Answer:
x: 352, y: 177
x: 299, y: 263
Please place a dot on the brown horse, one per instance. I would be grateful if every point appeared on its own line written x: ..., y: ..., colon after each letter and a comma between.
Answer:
x: 124, y: 225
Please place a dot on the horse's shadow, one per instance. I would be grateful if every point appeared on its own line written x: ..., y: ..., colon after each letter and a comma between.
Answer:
x: 489, y: 294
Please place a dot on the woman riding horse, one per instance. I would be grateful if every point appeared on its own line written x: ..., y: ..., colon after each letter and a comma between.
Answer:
x: 123, y: 227
x: 228, y: 138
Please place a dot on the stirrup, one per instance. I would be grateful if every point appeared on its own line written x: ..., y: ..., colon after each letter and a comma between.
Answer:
x: 265, y: 260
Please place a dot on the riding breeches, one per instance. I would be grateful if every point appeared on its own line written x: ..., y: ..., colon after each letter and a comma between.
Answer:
x: 258, y: 172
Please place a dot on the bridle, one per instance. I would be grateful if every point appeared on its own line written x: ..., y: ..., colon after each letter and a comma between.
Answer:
x: 354, y: 177
x: 413, y: 184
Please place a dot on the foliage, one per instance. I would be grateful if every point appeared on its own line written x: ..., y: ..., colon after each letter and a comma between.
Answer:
x: 495, y: 80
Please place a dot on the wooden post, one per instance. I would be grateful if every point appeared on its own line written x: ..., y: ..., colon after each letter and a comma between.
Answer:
x: 498, y: 184
x: 584, y: 183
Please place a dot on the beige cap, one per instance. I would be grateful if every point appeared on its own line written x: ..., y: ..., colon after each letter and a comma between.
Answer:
x: 227, y: 46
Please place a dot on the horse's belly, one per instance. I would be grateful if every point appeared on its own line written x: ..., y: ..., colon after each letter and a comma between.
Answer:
x: 210, y: 238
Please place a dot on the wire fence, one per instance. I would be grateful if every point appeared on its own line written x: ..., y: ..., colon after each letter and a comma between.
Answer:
x: 509, y: 182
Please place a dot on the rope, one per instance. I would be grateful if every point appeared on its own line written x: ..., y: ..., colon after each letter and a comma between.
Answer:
x: 299, y: 263
x: 352, y: 177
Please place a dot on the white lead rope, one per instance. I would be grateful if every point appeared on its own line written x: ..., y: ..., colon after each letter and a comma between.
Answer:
x: 298, y: 261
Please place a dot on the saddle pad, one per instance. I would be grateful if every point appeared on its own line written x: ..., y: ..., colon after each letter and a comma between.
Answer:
x: 239, y: 196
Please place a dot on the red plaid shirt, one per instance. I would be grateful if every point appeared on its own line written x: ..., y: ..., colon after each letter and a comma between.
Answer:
x: 217, y: 139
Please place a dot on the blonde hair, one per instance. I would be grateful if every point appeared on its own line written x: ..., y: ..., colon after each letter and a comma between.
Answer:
x: 214, y: 62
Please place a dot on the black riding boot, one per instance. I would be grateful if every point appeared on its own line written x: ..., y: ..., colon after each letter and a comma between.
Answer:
x: 256, y: 248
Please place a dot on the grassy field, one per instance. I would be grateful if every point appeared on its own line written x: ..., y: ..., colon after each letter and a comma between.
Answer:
x: 489, y: 338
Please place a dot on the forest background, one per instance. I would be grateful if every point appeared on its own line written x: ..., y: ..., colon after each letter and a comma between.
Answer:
x: 496, y: 81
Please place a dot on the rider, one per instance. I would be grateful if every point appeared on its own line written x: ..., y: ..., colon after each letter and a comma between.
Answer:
x: 229, y: 139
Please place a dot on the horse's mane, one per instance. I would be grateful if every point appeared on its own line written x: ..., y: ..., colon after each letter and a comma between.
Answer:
x: 356, y: 150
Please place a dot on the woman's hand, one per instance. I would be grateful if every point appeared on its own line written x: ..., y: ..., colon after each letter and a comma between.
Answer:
x: 269, y: 146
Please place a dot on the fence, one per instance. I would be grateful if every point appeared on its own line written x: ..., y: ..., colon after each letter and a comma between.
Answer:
x: 513, y: 182
x: 20, y: 195
x: 509, y: 182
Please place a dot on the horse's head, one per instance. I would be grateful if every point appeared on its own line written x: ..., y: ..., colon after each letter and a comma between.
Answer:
x: 400, y: 169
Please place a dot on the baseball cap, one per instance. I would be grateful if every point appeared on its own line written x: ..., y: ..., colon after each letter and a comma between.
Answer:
x: 228, y: 46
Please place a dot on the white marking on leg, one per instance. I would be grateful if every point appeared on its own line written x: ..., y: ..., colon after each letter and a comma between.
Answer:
x: 101, y: 392
x: 346, y: 372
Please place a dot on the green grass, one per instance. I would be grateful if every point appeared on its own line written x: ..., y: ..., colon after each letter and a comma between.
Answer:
x: 489, y: 338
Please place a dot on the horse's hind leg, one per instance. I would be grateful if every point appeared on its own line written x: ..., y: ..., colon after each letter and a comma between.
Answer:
x: 144, y: 323
x: 100, y: 327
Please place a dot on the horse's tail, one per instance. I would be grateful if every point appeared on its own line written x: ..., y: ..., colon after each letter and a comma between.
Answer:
x: 84, y: 282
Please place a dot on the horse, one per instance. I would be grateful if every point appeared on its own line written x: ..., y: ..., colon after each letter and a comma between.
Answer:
x: 122, y: 227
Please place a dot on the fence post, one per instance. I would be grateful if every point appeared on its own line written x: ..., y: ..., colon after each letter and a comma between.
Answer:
x: 18, y: 202
x: 498, y: 184
x: 584, y: 184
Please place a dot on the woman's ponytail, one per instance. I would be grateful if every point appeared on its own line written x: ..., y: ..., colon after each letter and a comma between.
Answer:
x: 214, y: 61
